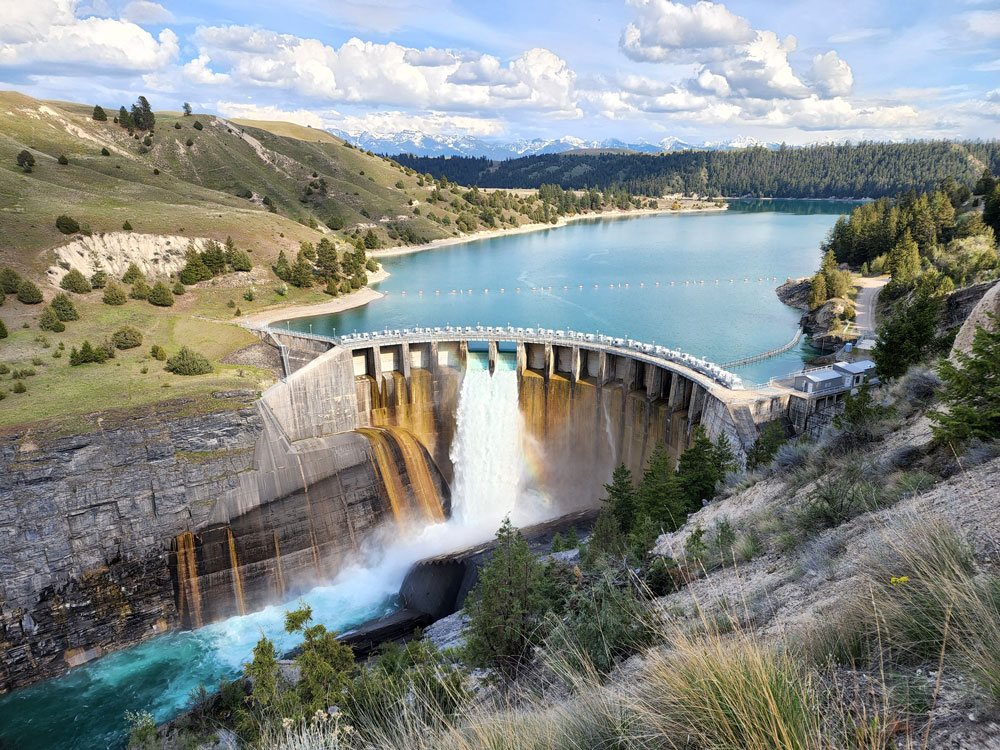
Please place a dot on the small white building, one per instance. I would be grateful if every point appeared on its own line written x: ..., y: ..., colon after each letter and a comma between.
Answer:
x: 856, y: 373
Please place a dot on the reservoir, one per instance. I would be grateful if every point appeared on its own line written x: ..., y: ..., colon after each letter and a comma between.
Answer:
x: 651, y: 278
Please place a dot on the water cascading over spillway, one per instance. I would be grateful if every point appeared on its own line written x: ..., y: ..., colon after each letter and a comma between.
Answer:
x: 487, y: 451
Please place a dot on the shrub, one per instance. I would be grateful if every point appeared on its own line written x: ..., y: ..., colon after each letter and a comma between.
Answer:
x: 67, y: 224
x: 158, y: 353
x: 839, y: 498
x: 87, y: 354
x: 250, y: 294
x: 160, y: 295
x: 75, y: 282
x: 198, y: 125
x: 28, y: 293
x: 127, y: 226
x: 132, y: 274
x: 126, y: 337
x: 188, y: 362
x: 64, y: 308
x: 3, y: 330
x: 10, y: 280
x: 189, y: 142
x: 49, y: 321
x: 24, y: 372
x: 19, y: 387
x: 105, y: 152
x: 4, y: 369
x: 25, y: 160
x: 114, y: 294
x: 970, y: 391
x: 140, y: 289
x: 179, y: 288
x: 99, y: 279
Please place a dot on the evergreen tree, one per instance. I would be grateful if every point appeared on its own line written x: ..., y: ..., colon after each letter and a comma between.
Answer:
x: 723, y: 456
x: 99, y: 114
x: 766, y: 445
x: 160, y: 295
x: 660, y: 494
x: 140, y: 289
x: 114, y: 294
x: 301, y: 274
x: 28, y: 293
x: 991, y: 210
x: 67, y: 224
x: 75, y: 282
x: 187, y: 109
x: 906, y: 336
x: 240, y: 261
x: 281, y: 268
x: 10, y: 280
x: 621, y: 498
x: 371, y: 241
x: 214, y: 258
x: 188, y: 362
x: 64, y: 308
x: 49, y: 321
x: 179, y: 288
x: 325, y: 664
x: 699, y: 471
x: 195, y: 270
x: 98, y: 279
x: 3, y: 330
x: 971, y: 390
x: 25, y: 160
x: 504, y: 606
x: 332, y: 288
x: 326, y: 259
x: 817, y: 291
x: 985, y: 184
x: 904, y: 260
x: 132, y: 274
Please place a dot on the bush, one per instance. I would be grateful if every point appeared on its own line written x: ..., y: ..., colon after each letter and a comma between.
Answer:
x: 3, y: 330
x: 10, y: 280
x: 25, y: 160
x: 67, y: 224
x: 189, y: 362
x: 114, y: 294
x: 179, y: 288
x: 87, y: 354
x: 839, y: 498
x: 132, y: 274
x: 19, y: 387
x: 105, y: 152
x: 198, y: 125
x: 140, y: 289
x: 99, y: 279
x: 160, y: 295
x: 126, y: 337
x: 127, y: 226
x: 64, y: 308
x: 28, y: 293
x: 49, y: 321
x: 158, y: 353
x: 62, y: 159
x: 75, y: 282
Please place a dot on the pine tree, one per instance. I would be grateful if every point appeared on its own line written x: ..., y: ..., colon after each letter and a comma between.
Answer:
x: 187, y: 109
x: 904, y: 260
x: 99, y: 114
x: 991, y: 210
x: 240, y: 261
x: 301, y: 274
x: 723, y: 456
x: 10, y: 280
x: 75, y: 282
x: 64, y: 308
x: 971, y: 390
x: 906, y: 336
x: 28, y: 293
x: 766, y: 445
x: 281, y: 268
x: 195, y: 270
x: 3, y: 330
x: 371, y: 240
x: 160, y: 295
x: 114, y: 294
x: 49, y: 321
x: 25, y: 160
x: 132, y: 274
x: 817, y: 291
x: 140, y: 289
x: 179, y: 288
x: 189, y: 362
x: 326, y: 259
x: 621, y: 498
x: 99, y: 279
x: 698, y: 471
x: 660, y: 494
x: 504, y: 606
x: 214, y: 258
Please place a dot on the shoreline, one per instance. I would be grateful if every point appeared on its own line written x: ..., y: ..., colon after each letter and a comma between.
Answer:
x: 366, y: 294
x: 362, y: 296
x: 486, y: 234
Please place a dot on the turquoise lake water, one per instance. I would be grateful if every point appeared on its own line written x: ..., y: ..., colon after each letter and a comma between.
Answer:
x: 721, y: 322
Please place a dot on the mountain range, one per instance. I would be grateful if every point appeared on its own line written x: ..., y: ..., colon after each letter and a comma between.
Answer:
x: 423, y: 144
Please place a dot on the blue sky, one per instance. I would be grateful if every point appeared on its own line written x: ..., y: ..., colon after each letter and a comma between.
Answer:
x: 800, y: 71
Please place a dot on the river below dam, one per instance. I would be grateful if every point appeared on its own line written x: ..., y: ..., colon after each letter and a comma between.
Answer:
x: 651, y: 278
x: 624, y: 259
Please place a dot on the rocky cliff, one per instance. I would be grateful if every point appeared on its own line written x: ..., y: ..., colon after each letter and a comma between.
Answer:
x: 85, y: 524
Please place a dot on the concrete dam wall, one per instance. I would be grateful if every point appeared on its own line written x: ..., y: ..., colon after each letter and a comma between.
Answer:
x: 176, y: 520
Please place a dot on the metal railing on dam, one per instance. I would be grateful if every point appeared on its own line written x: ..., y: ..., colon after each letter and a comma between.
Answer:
x: 651, y: 353
x: 769, y: 353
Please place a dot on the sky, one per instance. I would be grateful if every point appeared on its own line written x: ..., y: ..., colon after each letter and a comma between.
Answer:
x: 800, y: 72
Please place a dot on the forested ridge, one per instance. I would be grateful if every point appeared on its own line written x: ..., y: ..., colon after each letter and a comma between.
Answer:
x: 866, y: 169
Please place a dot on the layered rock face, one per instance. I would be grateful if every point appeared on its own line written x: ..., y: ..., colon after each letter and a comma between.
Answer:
x: 84, y: 526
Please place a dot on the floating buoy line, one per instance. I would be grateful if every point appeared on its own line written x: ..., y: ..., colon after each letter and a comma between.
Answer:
x: 623, y: 285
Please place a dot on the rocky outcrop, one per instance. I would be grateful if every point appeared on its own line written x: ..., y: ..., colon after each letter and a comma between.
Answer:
x: 85, y: 524
x: 988, y: 302
x: 819, y: 322
x: 795, y: 293
x: 154, y: 254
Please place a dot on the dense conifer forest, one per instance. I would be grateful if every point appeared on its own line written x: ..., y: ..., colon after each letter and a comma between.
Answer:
x: 870, y: 170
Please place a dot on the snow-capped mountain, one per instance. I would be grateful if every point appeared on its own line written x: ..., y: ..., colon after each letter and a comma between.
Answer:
x: 422, y: 144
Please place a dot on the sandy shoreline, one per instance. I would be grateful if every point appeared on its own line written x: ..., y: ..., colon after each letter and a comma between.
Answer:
x: 485, y: 234
x: 366, y: 294
x: 290, y: 312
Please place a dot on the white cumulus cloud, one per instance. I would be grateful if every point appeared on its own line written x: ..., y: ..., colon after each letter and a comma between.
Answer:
x: 831, y: 75
x: 664, y: 30
x: 146, y: 12
x: 198, y: 71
